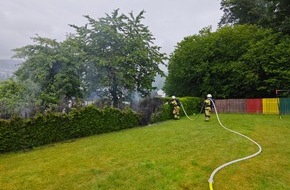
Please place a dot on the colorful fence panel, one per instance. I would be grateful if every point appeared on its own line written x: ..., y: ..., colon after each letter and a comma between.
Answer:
x: 284, y: 104
x: 254, y: 106
x: 221, y: 106
x: 231, y: 106
x: 270, y: 106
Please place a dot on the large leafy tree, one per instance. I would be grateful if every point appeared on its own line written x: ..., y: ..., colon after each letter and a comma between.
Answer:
x: 280, y: 18
x: 242, y: 61
x: 242, y: 11
x: 266, y: 13
x: 54, y: 66
x: 114, y: 55
x: 121, y: 51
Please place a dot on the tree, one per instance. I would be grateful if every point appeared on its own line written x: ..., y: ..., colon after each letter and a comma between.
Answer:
x: 114, y: 55
x: 242, y: 11
x: 54, y: 66
x: 269, y: 58
x: 18, y: 98
x: 279, y: 11
x: 241, y: 61
x: 122, y: 52
x: 273, y: 14
x: 8, y: 98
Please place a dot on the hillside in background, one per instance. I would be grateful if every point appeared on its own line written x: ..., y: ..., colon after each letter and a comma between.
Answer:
x: 8, y: 67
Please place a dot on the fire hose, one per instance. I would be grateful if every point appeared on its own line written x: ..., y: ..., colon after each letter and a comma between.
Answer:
x: 210, y: 180
x: 188, y: 116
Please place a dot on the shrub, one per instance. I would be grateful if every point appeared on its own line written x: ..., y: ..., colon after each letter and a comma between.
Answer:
x: 18, y: 134
x: 149, y: 106
x: 164, y: 112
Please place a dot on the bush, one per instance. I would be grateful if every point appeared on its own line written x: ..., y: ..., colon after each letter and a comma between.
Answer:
x: 164, y: 112
x: 18, y: 134
x: 148, y: 107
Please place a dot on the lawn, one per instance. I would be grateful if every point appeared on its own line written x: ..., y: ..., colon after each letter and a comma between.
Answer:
x: 172, y: 155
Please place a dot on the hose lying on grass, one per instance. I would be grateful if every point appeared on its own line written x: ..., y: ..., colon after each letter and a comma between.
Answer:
x: 210, y: 180
x: 188, y: 116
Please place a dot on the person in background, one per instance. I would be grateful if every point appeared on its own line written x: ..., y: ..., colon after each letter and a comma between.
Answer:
x: 208, y: 106
x: 176, y: 107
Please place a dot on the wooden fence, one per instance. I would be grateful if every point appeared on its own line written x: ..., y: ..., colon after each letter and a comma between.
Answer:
x: 258, y: 106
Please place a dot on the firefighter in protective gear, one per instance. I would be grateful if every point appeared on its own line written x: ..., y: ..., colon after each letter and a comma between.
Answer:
x: 208, y: 106
x: 176, y: 107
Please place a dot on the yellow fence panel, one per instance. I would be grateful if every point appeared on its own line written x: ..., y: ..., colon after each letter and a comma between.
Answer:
x: 270, y: 106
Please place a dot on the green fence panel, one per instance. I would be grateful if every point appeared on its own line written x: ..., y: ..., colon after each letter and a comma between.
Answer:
x: 284, y: 104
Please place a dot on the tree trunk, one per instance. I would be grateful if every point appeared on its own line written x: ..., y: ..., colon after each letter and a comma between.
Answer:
x: 114, y: 93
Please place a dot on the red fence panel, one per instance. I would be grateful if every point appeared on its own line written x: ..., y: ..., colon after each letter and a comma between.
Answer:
x: 254, y: 105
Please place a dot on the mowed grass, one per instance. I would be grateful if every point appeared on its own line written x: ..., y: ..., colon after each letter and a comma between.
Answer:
x: 169, y: 155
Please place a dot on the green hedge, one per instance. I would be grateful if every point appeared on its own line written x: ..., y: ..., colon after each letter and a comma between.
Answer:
x: 18, y: 134
x: 190, y: 104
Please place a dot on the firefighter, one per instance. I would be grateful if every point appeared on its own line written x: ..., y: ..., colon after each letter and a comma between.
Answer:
x: 208, y: 106
x: 176, y: 107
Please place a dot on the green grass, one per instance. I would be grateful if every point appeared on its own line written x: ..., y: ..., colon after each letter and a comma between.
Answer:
x: 170, y: 155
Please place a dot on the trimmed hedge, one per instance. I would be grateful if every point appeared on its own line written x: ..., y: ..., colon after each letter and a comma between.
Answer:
x: 18, y: 134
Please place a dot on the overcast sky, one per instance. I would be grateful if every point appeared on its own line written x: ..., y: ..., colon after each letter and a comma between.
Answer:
x: 168, y: 20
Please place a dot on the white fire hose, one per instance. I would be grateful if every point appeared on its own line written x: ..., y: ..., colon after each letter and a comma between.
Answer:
x: 210, y: 180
